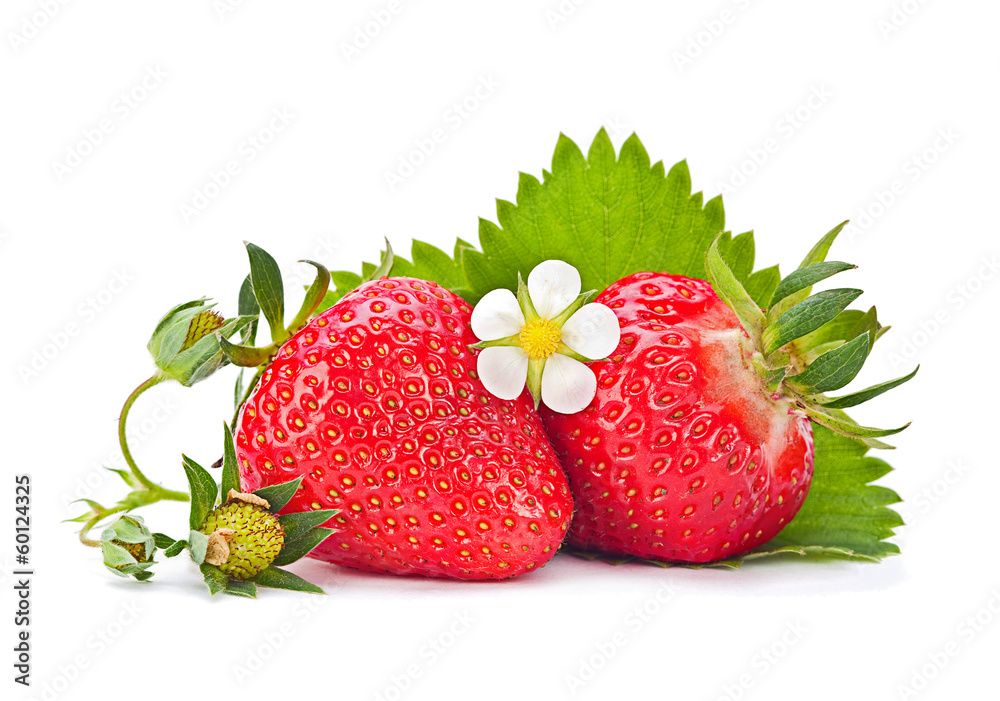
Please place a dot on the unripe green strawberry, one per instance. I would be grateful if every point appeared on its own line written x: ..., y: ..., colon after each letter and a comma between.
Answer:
x: 252, y: 534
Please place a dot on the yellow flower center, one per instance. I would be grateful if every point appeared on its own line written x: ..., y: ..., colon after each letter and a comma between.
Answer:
x: 540, y: 338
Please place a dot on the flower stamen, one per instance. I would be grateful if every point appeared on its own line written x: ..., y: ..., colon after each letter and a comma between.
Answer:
x: 540, y: 338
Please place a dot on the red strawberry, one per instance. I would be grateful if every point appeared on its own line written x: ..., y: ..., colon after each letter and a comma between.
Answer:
x: 697, y: 445
x: 680, y: 456
x: 376, y: 403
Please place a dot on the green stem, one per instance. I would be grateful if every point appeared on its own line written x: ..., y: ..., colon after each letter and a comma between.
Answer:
x: 123, y: 441
x: 98, y: 517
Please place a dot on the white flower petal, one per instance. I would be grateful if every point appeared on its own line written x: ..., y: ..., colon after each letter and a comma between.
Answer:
x: 568, y: 385
x: 593, y: 331
x: 497, y: 316
x: 503, y: 370
x: 552, y: 285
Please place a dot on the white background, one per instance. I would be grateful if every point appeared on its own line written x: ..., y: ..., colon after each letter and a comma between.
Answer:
x: 886, y: 79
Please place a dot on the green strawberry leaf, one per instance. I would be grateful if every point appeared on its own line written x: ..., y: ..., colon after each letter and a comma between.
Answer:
x: 611, y: 216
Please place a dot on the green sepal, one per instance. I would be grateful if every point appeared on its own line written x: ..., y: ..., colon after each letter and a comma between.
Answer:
x: 806, y: 316
x: 163, y: 541
x: 172, y: 329
x: 276, y: 578
x: 244, y: 588
x: 248, y: 306
x: 198, y: 546
x: 762, y: 284
x: 385, y: 267
x: 849, y: 428
x: 115, y: 556
x: 176, y: 548
x: 126, y: 476
x: 524, y: 301
x: 514, y: 340
x: 302, y: 546
x: 855, y: 398
x: 771, y: 376
x: 816, y: 255
x: 246, y: 356
x: 268, y: 289
x: 846, y: 326
x: 205, y: 357
x: 835, y: 368
x: 574, y: 306
x: 804, y: 278
x: 297, y: 524
x: 314, y: 296
x: 726, y: 285
x: 204, y: 492
x: 215, y: 578
x: 277, y: 495
x: 128, y: 530
x: 230, y: 469
x: 534, y: 379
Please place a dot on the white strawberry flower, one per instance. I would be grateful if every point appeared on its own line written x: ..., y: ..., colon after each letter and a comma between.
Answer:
x: 542, y: 337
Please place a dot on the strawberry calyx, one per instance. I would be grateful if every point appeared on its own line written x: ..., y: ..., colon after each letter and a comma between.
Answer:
x: 239, y: 540
x: 806, y: 345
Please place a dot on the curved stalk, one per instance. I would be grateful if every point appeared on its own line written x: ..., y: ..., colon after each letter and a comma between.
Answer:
x: 123, y: 442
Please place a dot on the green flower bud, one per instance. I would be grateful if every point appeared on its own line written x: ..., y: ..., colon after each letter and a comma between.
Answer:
x: 128, y: 548
x: 184, y: 345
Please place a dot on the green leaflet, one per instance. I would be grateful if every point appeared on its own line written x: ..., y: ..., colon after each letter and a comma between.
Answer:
x: 613, y: 215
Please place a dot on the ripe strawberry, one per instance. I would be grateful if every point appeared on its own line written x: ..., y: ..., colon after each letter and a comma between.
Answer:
x: 377, y: 405
x: 698, y: 444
